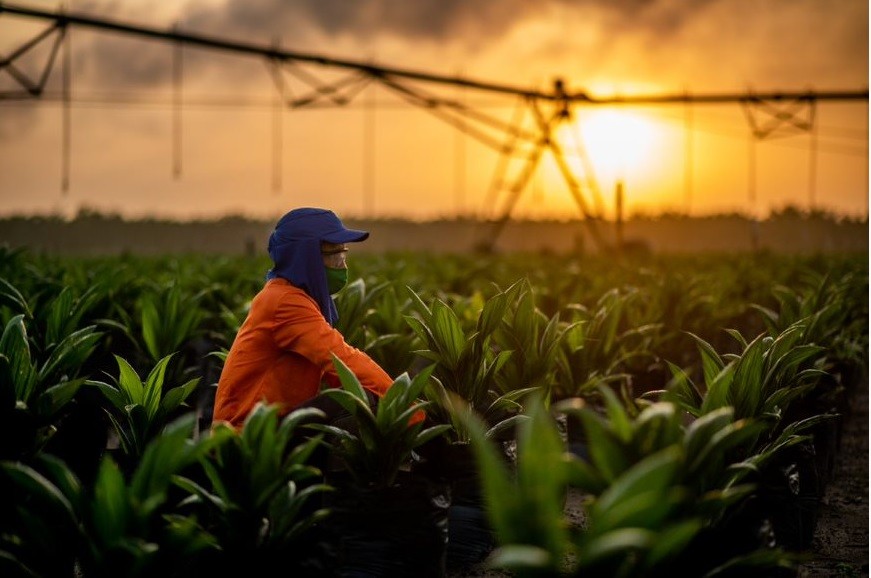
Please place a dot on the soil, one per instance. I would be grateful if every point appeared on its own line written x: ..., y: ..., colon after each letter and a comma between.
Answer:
x: 840, y: 544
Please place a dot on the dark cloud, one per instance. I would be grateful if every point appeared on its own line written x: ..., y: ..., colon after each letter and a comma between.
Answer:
x: 439, y: 20
x: 426, y: 20
x: 657, y: 18
x: 423, y: 20
x: 663, y: 29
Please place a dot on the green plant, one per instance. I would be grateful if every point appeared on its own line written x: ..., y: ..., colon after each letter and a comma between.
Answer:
x: 466, y: 365
x: 113, y: 528
x: 65, y: 313
x: 833, y: 311
x: 140, y: 409
x: 761, y: 381
x: 534, y: 340
x: 596, y: 346
x: 633, y: 525
x: 638, y: 526
x: 134, y: 528
x: 616, y: 442
x: 257, y: 495
x: 763, y: 384
x: 371, y: 319
x: 168, y: 318
x: 389, y: 341
x: 356, y: 304
x: 658, y: 494
x: 34, y: 393
x: 40, y: 529
x: 525, y: 507
x: 385, y: 437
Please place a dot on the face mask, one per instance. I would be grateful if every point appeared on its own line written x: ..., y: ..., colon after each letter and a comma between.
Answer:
x: 336, y: 279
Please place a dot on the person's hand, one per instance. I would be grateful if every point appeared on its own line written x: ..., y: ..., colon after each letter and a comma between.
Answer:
x: 417, y: 417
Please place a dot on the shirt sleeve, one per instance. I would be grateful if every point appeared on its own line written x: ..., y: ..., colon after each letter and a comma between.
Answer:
x: 300, y: 327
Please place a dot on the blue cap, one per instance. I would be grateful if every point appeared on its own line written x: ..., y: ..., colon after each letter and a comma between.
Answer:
x: 320, y: 224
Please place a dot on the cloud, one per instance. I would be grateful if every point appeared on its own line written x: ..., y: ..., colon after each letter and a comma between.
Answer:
x: 428, y: 20
x: 658, y: 31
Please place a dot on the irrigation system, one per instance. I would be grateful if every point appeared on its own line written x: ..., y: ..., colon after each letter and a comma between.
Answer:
x: 768, y: 113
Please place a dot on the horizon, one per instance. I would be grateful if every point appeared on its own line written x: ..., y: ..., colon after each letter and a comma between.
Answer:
x: 787, y: 211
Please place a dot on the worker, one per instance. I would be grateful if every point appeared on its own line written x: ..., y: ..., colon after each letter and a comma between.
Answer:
x: 283, y: 352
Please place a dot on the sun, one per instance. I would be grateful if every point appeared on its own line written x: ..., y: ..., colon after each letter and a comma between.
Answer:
x: 618, y: 143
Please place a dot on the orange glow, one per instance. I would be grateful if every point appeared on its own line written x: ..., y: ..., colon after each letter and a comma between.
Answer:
x: 617, y: 142
x: 620, y: 145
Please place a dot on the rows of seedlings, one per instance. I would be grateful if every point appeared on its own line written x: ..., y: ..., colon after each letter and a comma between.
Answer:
x: 694, y: 402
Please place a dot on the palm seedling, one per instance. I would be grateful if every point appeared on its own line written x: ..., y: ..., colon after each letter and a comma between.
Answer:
x: 596, y: 346
x: 834, y: 314
x: 383, y: 443
x: 637, y: 525
x: 40, y: 528
x: 37, y: 384
x: 467, y: 366
x: 535, y: 342
x: 371, y: 319
x: 763, y: 383
x: 169, y: 319
x: 135, y: 528
x: 355, y: 303
x: 259, y: 495
x: 116, y: 527
x: 391, y: 521
x: 389, y: 341
x: 139, y: 410
x: 656, y: 494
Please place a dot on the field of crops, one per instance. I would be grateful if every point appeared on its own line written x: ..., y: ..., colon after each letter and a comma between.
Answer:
x: 694, y: 402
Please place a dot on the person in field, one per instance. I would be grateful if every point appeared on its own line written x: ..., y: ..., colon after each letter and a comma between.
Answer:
x: 282, y: 354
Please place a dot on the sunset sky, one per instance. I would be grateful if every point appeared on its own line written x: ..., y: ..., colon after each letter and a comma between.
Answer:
x: 379, y: 156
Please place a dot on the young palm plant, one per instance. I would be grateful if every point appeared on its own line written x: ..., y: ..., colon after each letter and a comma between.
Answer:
x: 714, y: 446
x: 835, y: 314
x: 135, y: 528
x: 764, y: 382
x: 35, y: 390
x: 355, y: 304
x: 646, y: 514
x: 116, y: 527
x: 259, y: 496
x: 535, y: 342
x: 371, y: 319
x: 597, y: 345
x: 139, y: 410
x: 383, y: 443
x: 169, y: 319
x: 632, y: 528
x: 467, y: 366
x: 40, y: 528
x: 466, y: 379
x: 389, y: 341
x: 390, y: 521
x: 713, y: 443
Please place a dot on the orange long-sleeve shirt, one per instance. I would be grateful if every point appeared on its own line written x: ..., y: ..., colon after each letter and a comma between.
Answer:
x: 281, y: 354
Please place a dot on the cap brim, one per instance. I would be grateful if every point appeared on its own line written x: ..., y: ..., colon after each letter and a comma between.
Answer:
x: 346, y: 236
